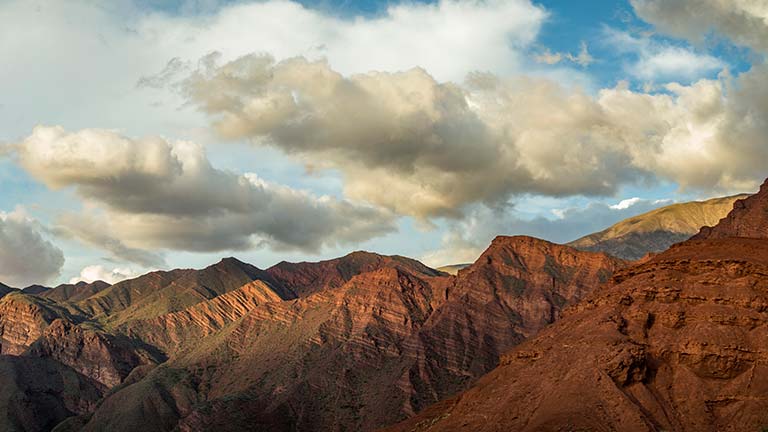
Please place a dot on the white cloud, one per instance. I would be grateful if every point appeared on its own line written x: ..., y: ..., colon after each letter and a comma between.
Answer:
x: 745, y: 22
x: 659, y: 61
x: 626, y: 203
x: 155, y: 194
x: 26, y: 257
x: 99, y: 273
x: 583, y: 58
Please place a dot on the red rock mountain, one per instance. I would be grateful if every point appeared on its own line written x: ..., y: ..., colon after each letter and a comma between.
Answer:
x: 675, y: 343
x: 371, y: 340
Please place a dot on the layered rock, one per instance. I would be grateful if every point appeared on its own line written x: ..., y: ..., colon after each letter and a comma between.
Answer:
x: 24, y: 318
x: 177, y: 331
x: 675, y: 343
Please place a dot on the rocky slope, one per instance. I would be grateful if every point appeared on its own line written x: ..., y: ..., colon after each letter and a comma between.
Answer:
x: 658, y: 229
x: 675, y: 343
x: 356, y: 356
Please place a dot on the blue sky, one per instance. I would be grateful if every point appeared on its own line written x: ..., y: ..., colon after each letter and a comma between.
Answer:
x: 120, y: 153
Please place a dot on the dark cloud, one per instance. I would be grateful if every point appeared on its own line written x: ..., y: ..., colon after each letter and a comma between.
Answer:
x: 25, y: 256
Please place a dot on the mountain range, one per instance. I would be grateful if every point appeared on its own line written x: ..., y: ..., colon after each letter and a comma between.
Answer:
x: 531, y: 336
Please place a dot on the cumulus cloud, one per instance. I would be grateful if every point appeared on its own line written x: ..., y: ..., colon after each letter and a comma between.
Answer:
x: 152, y: 193
x: 745, y: 22
x: 660, y: 61
x: 440, y: 147
x: 436, y: 146
x: 465, y: 240
x: 26, y: 257
x: 99, y: 273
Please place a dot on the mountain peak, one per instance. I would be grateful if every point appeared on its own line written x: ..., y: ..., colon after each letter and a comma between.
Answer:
x: 748, y: 218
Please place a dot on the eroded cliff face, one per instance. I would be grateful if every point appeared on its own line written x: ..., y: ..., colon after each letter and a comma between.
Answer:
x: 23, y: 319
x: 677, y: 342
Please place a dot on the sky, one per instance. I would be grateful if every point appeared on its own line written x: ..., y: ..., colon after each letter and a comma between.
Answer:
x: 143, y: 134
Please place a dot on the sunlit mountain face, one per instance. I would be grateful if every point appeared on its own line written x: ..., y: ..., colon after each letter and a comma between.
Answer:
x: 411, y: 190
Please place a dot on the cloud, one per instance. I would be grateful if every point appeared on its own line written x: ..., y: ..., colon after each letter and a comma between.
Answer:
x: 441, y: 147
x: 583, y: 58
x: 436, y: 146
x: 661, y: 61
x: 92, y: 230
x: 95, y: 273
x: 745, y: 22
x: 465, y: 240
x: 154, y: 194
x: 26, y: 257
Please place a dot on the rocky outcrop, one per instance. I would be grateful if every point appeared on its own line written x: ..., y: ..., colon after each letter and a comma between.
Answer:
x: 658, y: 229
x: 675, y: 343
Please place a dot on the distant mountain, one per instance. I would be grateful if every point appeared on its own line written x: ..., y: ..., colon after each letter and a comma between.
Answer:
x: 658, y: 229
x: 36, y: 289
x: 73, y: 292
x: 673, y: 343
x: 453, y: 269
